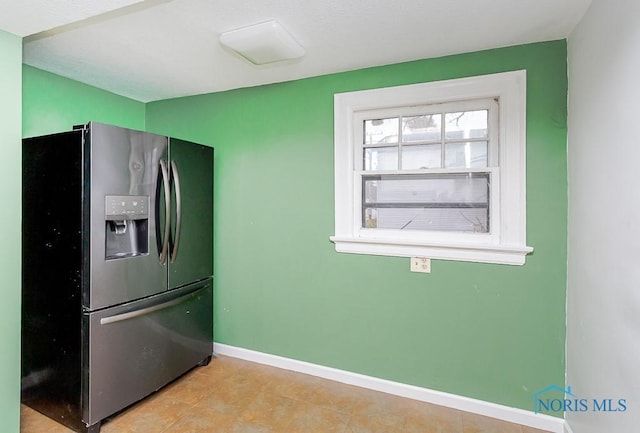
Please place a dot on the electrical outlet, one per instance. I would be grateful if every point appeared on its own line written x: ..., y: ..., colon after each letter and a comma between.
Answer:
x: 420, y: 264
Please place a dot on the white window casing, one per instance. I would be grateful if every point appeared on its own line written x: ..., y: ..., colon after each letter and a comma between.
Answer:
x: 505, y: 243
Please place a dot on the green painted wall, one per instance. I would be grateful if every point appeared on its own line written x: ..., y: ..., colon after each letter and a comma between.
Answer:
x: 10, y: 146
x: 53, y: 104
x: 491, y: 332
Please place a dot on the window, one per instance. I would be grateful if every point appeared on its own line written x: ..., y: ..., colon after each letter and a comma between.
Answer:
x: 433, y: 170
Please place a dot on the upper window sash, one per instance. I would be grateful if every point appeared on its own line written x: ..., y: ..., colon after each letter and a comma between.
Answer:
x: 492, y: 138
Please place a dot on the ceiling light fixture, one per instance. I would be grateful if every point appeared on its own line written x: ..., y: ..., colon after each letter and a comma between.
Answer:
x: 263, y: 43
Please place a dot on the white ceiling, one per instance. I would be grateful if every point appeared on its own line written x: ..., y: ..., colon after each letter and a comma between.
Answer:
x: 158, y: 49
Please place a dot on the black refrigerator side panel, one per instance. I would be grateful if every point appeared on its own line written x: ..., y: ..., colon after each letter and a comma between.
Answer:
x: 52, y: 275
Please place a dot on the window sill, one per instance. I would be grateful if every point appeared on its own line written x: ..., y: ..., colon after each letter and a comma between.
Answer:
x: 483, y: 253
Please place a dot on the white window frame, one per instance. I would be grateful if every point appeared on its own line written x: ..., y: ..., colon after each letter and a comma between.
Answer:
x: 506, y: 242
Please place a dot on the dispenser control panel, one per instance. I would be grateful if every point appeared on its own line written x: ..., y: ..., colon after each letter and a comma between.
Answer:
x: 131, y: 207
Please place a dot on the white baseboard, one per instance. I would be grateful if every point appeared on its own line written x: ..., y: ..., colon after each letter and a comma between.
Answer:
x: 493, y: 410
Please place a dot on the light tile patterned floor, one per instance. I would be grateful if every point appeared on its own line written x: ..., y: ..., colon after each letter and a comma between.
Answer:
x: 235, y: 396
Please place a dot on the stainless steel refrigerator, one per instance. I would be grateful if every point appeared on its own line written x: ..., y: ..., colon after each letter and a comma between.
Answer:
x: 117, y: 265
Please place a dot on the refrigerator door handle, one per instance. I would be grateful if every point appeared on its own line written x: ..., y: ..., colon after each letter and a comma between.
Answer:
x: 167, y: 211
x: 141, y: 312
x: 181, y: 297
x: 176, y: 180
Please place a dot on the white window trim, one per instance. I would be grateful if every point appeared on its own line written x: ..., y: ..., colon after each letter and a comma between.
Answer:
x: 509, y: 246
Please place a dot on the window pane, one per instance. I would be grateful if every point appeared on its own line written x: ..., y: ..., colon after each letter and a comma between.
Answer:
x: 467, y: 155
x: 421, y: 156
x: 381, y: 158
x: 445, y: 202
x: 466, y: 124
x: 421, y: 128
x: 435, y: 219
x: 381, y: 131
x: 456, y: 188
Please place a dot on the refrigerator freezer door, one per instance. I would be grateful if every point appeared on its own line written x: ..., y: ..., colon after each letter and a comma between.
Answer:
x: 122, y: 170
x: 191, y: 255
x: 136, y: 348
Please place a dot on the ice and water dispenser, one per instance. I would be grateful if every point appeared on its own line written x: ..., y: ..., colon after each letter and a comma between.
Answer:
x: 126, y: 226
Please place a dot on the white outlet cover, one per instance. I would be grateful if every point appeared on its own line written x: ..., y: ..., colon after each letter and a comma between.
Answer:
x: 420, y: 264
